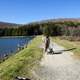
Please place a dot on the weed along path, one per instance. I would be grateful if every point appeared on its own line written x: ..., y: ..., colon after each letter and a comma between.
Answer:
x: 59, y: 66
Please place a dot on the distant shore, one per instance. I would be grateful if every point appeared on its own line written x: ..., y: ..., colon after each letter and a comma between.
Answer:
x: 15, y: 36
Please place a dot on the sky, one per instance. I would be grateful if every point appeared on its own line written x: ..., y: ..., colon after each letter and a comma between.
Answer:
x: 26, y: 11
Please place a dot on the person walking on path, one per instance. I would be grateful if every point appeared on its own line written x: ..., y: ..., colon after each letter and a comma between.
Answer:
x: 47, y: 42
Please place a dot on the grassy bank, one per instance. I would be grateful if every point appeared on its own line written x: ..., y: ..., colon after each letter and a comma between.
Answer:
x: 23, y: 62
x: 68, y: 44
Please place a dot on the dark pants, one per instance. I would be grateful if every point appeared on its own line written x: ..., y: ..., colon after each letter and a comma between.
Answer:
x: 46, y: 46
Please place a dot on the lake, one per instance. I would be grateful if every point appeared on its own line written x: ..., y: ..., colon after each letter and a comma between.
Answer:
x: 9, y: 45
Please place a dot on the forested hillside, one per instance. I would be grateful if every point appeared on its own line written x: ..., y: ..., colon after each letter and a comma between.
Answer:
x: 54, y: 27
x: 7, y: 29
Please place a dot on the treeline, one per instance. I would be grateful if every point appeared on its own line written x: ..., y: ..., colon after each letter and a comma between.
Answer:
x: 67, y: 28
x: 21, y: 31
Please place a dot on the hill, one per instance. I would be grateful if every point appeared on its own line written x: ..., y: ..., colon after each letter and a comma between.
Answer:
x: 8, y: 25
x: 56, y: 27
x: 57, y: 20
x: 14, y: 25
x: 53, y: 27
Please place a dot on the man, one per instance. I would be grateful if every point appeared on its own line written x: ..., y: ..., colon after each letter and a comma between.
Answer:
x: 47, y: 42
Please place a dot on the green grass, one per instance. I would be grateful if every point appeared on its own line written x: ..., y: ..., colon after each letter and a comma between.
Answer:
x: 68, y: 44
x: 22, y: 63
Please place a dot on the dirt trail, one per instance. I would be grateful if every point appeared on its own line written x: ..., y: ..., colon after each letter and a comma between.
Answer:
x: 59, y: 66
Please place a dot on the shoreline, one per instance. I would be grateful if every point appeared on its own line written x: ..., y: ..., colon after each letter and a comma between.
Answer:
x: 15, y: 36
x: 23, y: 62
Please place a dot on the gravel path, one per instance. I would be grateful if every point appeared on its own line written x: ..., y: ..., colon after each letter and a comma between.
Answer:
x: 59, y: 66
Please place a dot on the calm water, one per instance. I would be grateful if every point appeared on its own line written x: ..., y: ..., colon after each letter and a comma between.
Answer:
x: 10, y: 45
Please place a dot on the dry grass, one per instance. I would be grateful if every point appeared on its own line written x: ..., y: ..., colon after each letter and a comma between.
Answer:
x: 68, y: 44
